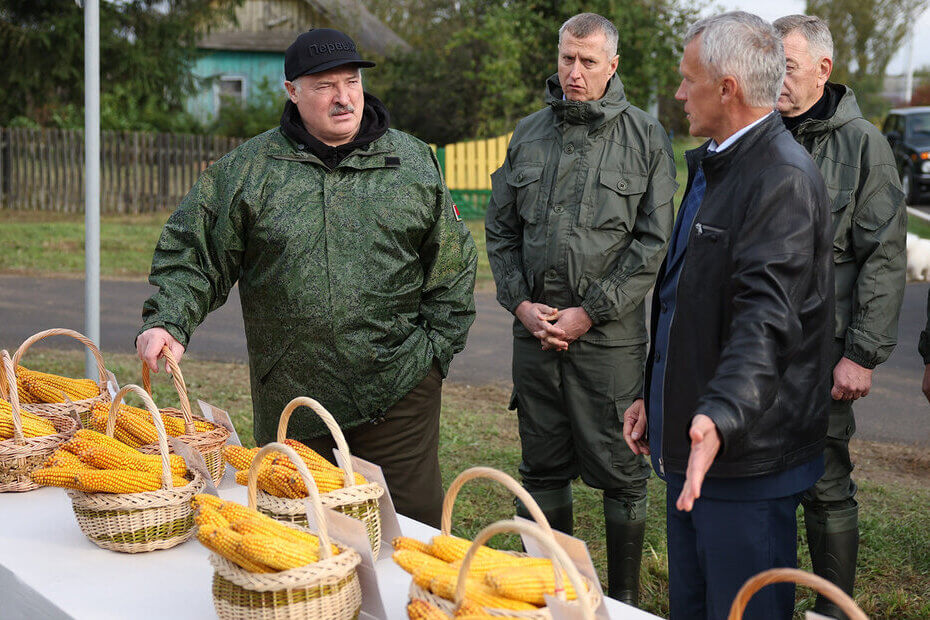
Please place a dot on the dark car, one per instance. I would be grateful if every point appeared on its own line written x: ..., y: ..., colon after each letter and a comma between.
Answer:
x: 908, y: 132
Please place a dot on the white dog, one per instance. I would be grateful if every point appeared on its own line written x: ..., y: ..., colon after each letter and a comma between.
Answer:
x: 918, y: 258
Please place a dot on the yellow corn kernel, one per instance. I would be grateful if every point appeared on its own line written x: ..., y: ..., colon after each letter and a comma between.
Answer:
x: 418, y: 609
x: 227, y: 543
x: 477, y: 592
x: 405, y: 543
x: 527, y: 583
x: 239, y: 457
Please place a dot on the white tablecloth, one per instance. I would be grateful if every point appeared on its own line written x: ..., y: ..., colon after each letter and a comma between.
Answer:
x: 50, y: 570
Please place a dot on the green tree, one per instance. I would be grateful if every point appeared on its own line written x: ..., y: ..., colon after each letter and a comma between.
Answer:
x: 866, y: 35
x: 146, y: 54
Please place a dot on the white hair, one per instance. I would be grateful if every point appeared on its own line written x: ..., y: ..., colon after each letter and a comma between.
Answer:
x: 586, y: 24
x: 814, y: 30
x: 748, y: 48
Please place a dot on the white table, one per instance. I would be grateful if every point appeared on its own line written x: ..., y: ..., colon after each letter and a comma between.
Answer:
x: 50, y: 570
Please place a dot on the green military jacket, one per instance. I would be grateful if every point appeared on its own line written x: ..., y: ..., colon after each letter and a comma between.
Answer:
x: 581, y: 212
x: 351, y: 280
x: 869, y: 228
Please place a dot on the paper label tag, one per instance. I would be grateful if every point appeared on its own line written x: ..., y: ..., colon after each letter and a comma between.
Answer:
x: 390, y: 527
x: 112, y: 385
x: 195, y: 462
x: 221, y: 417
x: 72, y: 410
x: 577, y: 551
x: 352, y: 533
x: 563, y: 611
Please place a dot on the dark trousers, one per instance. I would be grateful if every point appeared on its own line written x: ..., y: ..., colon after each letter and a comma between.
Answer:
x: 406, y: 446
x: 716, y: 547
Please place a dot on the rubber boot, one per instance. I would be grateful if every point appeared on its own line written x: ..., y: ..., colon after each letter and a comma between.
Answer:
x: 626, y: 526
x: 833, y: 538
x: 556, y: 504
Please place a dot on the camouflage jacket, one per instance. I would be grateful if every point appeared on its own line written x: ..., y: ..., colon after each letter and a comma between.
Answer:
x: 581, y: 212
x: 869, y: 226
x: 351, y: 280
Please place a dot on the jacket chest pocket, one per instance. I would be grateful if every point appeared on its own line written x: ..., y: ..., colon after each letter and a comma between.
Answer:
x: 840, y: 216
x: 709, y: 247
x: 526, y: 186
x: 614, y: 202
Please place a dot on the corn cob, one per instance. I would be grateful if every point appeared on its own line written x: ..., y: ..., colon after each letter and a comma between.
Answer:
x: 102, y: 456
x: 33, y: 425
x: 412, y: 544
x: 452, y: 548
x: 227, y: 543
x: 63, y: 458
x: 209, y: 515
x: 239, y: 457
x: 205, y: 500
x: 105, y: 440
x: 410, y: 560
x: 311, y: 457
x: 526, y: 583
x: 127, y: 438
x: 101, y: 480
x: 51, y: 388
x: 477, y: 592
x: 276, y: 553
x: 265, y: 482
x: 137, y: 426
x: 25, y: 396
x: 237, y: 515
x: 418, y: 609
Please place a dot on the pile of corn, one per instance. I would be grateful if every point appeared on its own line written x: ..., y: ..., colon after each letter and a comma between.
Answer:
x: 418, y: 609
x: 249, y: 539
x: 43, y: 387
x: 33, y: 425
x: 134, y: 426
x: 278, y: 476
x: 495, y: 579
x: 95, y: 463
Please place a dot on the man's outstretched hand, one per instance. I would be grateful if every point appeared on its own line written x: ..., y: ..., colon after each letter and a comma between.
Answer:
x: 705, y: 443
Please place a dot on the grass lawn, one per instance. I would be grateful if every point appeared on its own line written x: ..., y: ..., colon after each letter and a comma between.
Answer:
x: 894, y: 560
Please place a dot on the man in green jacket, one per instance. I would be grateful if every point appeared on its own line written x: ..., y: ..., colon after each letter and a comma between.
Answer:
x: 355, y: 272
x: 577, y: 225
x: 869, y: 222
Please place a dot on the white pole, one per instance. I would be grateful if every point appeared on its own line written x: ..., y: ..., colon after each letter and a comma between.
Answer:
x: 909, y: 79
x: 91, y: 179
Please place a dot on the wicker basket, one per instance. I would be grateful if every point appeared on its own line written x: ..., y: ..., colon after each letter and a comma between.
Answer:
x: 593, y: 598
x: 782, y: 575
x: 328, y: 589
x: 208, y: 443
x: 139, y: 522
x: 355, y: 500
x: 81, y: 407
x: 560, y: 562
x: 19, y: 455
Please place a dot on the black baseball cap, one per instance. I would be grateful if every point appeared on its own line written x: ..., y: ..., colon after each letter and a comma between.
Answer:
x: 318, y: 50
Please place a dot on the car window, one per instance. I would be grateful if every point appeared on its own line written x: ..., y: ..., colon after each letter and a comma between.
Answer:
x: 918, y: 125
x: 890, y: 123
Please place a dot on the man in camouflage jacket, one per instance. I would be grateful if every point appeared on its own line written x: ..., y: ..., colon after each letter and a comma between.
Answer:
x: 578, y: 221
x: 869, y: 225
x: 355, y: 272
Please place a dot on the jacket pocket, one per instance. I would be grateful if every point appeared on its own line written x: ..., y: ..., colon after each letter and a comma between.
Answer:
x: 839, y: 214
x: 617, y: 200
x: 525, y: 183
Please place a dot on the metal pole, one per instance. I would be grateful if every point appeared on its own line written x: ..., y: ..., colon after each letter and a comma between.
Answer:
x: 91, y: 179
x: 909, y: 79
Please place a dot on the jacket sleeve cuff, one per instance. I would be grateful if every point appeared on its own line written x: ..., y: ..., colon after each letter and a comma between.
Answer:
x: 176, y: 332
x: 865, y: 351
x: 513, y: 291
x: 596, y: 304
x: 727, y: 424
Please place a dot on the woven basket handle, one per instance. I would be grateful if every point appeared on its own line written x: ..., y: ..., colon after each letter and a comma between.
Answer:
x: 179, y: 385
x: 782, y: 575
x: 331, y: 424
x: 156, y: 418
x: 512, y: 485
x: 560, y: 562
x: 31, y: 340
x: 312, y: 491
x: 9, y: 375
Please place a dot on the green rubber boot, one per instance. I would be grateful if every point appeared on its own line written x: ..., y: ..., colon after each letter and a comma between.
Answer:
x: 556, y: 504
x: 626, y: 527
x: 833, y: 538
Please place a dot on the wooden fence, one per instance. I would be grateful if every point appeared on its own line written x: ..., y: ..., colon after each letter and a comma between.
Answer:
x: 43, y: 169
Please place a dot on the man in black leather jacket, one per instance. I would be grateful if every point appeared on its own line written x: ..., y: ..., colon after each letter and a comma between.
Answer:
x: 737, y: 378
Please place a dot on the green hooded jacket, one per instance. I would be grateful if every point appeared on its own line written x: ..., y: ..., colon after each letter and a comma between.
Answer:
x: 352, y: 280
x: 869, y: 228
x: 581, y: 212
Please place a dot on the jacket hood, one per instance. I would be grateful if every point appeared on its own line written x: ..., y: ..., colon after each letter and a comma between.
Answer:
x: 592, y: 113
x: 847, y: 110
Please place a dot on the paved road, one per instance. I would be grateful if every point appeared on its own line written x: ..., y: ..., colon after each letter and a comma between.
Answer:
x: 896, y: 411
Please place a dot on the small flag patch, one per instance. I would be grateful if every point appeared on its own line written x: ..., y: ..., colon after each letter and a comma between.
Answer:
x: 455, y: 210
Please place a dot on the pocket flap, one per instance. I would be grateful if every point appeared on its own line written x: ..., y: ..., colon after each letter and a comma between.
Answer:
x: 624, y: 183
x: 524, y: 175
x: 842, y: 198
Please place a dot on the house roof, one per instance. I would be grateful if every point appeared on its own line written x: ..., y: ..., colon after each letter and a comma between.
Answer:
x: 369, y: 32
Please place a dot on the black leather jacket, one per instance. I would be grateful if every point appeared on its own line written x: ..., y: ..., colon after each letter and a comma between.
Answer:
x: 749, y: 343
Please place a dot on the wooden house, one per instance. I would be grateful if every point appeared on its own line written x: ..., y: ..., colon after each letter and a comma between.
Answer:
x: 238, y: 56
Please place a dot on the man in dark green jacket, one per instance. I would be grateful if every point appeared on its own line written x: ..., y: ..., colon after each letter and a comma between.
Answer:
x: 869, y: 222
x: 577, y: 225
x: 355, y: 272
